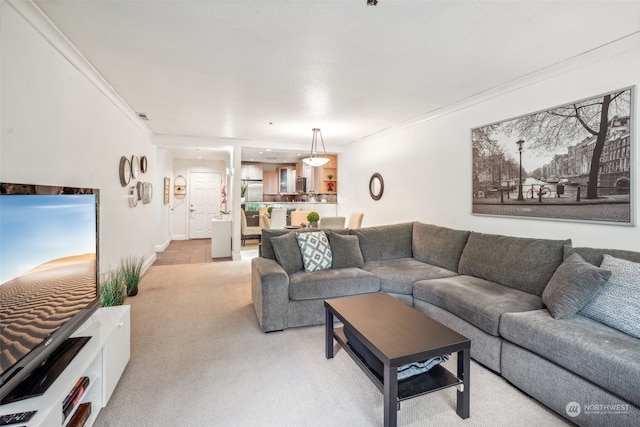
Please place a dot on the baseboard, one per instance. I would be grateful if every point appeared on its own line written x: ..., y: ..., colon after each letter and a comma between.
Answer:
x: 163, y: 246
x: 148, y: 262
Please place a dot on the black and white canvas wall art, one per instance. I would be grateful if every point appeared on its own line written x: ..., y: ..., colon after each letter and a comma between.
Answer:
x: 571, y: 162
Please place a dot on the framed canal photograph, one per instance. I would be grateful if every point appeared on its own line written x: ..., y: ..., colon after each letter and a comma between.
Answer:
x: 572, y: 162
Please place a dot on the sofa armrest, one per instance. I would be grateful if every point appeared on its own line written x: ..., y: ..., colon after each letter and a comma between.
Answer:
x: 270, y: 293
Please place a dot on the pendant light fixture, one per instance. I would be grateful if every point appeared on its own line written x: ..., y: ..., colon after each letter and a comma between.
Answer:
x: 313, y: 159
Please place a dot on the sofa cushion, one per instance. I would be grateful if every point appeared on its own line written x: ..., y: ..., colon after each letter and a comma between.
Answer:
x: 618, y: 303
x: 385, y: 242
x: 266, y: 248
x: 315, y: 250
x: 346, y: 251
x: 572, y: 286
x: 590, y: 349
x: 438, y: 245
x: 594, y: 255
x: 332, y: 283
x: 398, y: 275
x: 475, y: 300
x: 288, y: 252
x: 520, y: 263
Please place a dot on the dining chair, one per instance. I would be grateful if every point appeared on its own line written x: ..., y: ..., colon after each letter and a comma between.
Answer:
x: 248, y: 232
x: 263, y: 210
x: 278, y: 218
x: 355, y: 220
x: 331, y: 222
x: 264, y: 219
x: 299, y: 218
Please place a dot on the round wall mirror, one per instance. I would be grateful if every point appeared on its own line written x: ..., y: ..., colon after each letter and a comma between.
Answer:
x: 376, y: 186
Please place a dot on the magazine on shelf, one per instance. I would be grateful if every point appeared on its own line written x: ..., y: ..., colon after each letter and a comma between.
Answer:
x: 72, y: 399
x: 81, y: 416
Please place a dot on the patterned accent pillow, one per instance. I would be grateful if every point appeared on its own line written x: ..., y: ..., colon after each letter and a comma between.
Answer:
x: 618, y: 303
x: 316, y: 251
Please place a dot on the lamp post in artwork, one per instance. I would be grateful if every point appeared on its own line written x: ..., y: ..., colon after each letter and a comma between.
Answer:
x: 520, y: 197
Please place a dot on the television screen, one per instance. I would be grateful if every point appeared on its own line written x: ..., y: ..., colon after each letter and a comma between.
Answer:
x: 48, y: 272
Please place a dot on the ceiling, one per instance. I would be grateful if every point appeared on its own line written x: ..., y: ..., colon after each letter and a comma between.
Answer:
x: 261, y: 74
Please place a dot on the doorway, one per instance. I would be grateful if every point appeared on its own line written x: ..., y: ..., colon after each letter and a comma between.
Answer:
x: 204, y: 202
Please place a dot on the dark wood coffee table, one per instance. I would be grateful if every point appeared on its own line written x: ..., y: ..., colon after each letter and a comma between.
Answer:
x: 398, y: 334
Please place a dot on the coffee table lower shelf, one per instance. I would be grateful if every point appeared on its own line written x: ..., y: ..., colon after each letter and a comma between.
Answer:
x: 437, y: 378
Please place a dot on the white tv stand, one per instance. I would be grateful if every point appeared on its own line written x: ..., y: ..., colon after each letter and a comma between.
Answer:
x: 102, y: 359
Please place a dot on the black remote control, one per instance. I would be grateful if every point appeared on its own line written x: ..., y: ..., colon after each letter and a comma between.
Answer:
x: 18, y: 417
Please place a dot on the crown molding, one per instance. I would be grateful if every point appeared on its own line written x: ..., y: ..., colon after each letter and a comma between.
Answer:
x: 599, y: 53
x: 33, y: 15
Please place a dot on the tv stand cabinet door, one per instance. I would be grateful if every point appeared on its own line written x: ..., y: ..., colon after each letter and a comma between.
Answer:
x: 117, y: 348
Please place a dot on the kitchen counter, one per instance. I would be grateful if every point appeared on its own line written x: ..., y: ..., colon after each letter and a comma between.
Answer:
x: 323, y: 208
x: 300, y: 198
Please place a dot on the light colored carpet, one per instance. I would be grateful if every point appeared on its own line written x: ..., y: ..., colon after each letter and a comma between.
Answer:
x: 198, y: 358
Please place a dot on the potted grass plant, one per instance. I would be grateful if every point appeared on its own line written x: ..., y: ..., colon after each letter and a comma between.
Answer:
x: 131, y: 269
x: 113, y: 290
x: 313, y: 217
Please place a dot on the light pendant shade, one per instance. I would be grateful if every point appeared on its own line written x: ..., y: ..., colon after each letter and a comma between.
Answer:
x: 313, y: 159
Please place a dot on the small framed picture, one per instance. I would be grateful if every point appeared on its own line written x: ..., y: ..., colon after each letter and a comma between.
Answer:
x: 166, y: 191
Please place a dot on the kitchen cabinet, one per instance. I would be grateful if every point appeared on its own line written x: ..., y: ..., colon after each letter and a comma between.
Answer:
x: 251, y: 171
x: 286, y: 179
x: 270, y: 182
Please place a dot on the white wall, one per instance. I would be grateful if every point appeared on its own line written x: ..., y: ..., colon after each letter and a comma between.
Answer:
x: 57, y: 128
x: 427, y: 167
x: 164, y: 169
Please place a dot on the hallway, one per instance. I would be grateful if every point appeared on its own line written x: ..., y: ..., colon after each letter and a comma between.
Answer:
x: 197, y: 251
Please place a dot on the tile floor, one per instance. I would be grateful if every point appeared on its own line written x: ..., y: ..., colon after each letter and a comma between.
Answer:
x: 194, y: 252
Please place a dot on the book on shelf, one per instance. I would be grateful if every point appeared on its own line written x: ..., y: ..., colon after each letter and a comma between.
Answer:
x: 81, y: 415
x: 71, y: 400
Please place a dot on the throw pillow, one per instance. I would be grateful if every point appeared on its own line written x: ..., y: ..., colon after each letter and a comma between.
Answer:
x: 316, y: 251
x: 345, y: 251
x: 287, y: 252
x: 618, y: 303
x: 572, y: 286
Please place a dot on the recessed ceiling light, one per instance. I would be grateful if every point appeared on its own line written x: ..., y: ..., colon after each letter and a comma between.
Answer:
x: 268, y: 149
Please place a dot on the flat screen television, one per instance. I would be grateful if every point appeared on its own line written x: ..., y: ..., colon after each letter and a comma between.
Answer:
x: 48, y: 273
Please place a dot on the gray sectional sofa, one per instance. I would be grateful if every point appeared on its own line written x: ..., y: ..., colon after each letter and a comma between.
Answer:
x: 519, y: 301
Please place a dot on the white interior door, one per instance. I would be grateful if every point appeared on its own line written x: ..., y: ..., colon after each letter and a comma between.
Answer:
x: 204, y: 202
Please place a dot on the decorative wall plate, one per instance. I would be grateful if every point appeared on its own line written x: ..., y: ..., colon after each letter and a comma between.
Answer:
x: 133, y: 197
x: 135, y: 167
x: 147, y: 192
x: 139, y: 190
x: 143, y: 164
x: 125, y: 171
